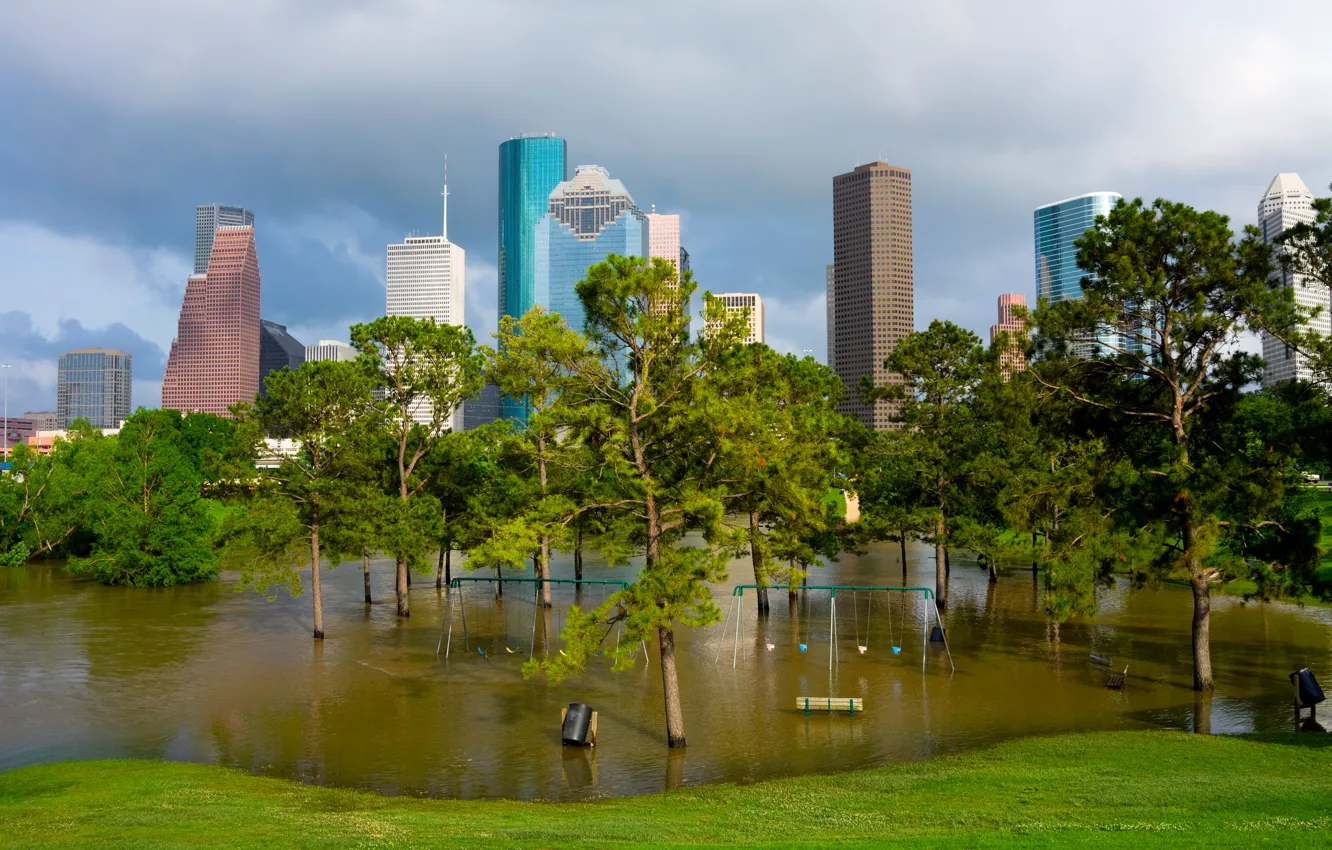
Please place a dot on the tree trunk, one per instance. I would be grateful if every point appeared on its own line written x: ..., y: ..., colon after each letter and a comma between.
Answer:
x: 543, y: 570
x: 989, y: 565
x: 365, y: 573
x: 1202, y: 621
x: 439, y: 569
x: 404, y: 606
x: 316, y: 590
x: 756, y: 556
x: 499, y: 585
x: 670, y: 686
x: 940, y: 569
x: 1033, y: 556
x: 448, y: 566
x: 948, y: 564
x: 578, y: 552
x: 902, y: 541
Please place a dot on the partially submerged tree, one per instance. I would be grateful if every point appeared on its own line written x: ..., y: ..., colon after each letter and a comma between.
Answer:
x: 1168, y: 292
x: 655, y: 442
x: 940, y: 369
x: 425, y: 371
x: 324, y: 409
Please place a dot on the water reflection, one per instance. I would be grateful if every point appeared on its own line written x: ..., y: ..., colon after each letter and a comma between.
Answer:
x: 205, y: 674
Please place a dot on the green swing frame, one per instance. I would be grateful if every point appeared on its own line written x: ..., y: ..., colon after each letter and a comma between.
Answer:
x: 737, y: 607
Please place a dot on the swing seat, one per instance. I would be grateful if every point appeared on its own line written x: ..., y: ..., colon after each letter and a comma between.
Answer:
x: 509, y: 650
x: 770, y: 646
x: 804, y: 646
x: 863, y: 649
x: 480, y: 651
x: 897, y: 650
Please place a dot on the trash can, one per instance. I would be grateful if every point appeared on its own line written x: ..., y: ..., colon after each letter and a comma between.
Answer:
x: 1307, y: 688
x: 577, y: 724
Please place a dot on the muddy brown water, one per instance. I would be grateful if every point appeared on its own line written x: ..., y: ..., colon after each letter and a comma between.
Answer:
x: 206, y: 674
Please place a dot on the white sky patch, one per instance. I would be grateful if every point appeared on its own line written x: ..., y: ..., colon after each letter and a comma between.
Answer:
x: 481, y: 299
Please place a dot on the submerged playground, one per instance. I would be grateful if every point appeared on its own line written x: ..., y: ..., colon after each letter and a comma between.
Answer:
x: 438, y: 706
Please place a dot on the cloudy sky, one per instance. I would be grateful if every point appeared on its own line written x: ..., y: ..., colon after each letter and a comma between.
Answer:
x: 330, y: 119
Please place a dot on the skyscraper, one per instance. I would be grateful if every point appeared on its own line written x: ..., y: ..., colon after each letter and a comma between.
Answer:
x: 1288, y: 202
x: 590, y: 217
x: 873, y: 280
x: 1012, y: 359
x: 214, y: 359
x: 664, y: 242
x: 530, y: 167
x: 425, y: 280
x: 330, y: 349
x: 1058, y: 275
x: 830, y: 284
x: 94, y: 384
x: 207, y: 219
x: 736, y: 302
x: 278, y: 350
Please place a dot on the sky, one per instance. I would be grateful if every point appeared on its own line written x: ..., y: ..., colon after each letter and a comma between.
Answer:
x: 330, y: 119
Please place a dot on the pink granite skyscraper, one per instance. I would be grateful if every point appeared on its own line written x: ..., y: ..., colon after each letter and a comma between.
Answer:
x: 214, y: 360
x: 1013, y: 358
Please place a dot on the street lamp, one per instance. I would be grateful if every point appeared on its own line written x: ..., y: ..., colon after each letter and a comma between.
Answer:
x: 6, y: 366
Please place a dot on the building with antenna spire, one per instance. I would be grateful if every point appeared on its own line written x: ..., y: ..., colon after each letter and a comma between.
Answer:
x: 425, y: 279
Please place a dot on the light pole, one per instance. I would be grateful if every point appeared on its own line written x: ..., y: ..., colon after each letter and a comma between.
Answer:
x: 5, y: 366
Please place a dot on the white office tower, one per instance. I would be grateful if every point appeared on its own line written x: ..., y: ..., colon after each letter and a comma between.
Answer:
x: 425, y: 281
x: 1286, y: 203
x: 738, y: 301
x: 330, y: 349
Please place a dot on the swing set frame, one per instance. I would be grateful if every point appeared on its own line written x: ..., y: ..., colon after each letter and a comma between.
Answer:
x: 458, y: 584
x: 737, y: 606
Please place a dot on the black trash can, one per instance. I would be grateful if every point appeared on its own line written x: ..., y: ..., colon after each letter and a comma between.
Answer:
x: 1307, y: 686
x: 936, y: 635
x: 577, y: 725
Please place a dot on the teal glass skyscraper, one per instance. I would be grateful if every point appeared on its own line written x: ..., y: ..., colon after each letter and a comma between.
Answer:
x: 530, y: 167
x: 1058, y: 226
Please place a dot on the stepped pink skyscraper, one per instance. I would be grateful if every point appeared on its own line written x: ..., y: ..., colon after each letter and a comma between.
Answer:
x: 214, y: 360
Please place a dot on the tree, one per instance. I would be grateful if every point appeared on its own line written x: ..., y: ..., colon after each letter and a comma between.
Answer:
x: 150, y: 524
x: 1168, y: 291
x: 536, y: 360
x: 324, y: 408
x: 940, y: 368
x: 655, y: 442
x: 43, y: 498
x: 774, y: 420
x: 425, y: 371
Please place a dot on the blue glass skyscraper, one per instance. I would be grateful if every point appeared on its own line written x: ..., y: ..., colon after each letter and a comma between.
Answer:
x: 591, y: 217
x: 530, y: 167
x: 1058, y: 225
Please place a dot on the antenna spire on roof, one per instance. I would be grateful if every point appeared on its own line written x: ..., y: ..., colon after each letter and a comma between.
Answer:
x: 445, y: 194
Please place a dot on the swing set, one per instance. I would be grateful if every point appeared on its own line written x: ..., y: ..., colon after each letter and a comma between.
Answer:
x: 458, y: 600
x: 895, y: 636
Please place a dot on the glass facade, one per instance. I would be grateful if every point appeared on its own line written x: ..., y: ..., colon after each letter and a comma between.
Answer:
x: 1057, y: 226
x: 93, y: 384
x: 563, y: 258
x: 529, y: 170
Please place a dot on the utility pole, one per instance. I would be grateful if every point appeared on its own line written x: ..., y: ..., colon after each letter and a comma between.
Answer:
x: 6, y: 367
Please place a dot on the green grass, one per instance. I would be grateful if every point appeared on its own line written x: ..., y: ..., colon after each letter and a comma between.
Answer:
x: 1118, y: 789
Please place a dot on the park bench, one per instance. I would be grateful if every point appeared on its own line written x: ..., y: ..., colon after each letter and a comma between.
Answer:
x: 1116, y: 680
x: 830, y: 704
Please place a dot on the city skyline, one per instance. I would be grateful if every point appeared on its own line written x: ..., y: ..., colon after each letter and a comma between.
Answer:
x: 104, y: 217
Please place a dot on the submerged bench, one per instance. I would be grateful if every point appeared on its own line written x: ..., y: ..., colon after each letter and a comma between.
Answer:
x: 851, y: 704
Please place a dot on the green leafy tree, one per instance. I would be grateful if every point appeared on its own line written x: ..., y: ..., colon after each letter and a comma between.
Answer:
x: 43, y: 499
x: 150, y: 524
x: 775, y: 420
x: 940, y: 368
x: 656, y: 444
x: 1169, y: 291
x: 424, y: 370
x: 536, y: 361
x: 325, y: 409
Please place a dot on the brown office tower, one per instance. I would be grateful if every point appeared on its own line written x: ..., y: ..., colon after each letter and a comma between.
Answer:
x: 872, y: 276
x: 214, y: 360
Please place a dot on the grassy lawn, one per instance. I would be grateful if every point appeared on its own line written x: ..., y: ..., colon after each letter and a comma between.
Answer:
x: 1105, y: 789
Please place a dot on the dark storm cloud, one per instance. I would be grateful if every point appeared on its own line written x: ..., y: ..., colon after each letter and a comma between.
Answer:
x: 331, y: 120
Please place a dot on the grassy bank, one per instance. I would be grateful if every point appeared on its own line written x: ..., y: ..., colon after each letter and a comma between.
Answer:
x: 1110, y: 789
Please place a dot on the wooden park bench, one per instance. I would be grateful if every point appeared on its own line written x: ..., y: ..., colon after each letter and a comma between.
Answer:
x: 1115, y: 681
x: 830, y: 704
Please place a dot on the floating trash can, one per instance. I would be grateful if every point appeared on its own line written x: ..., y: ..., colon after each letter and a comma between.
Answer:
x: 936, y: 635
x: 577, y: 725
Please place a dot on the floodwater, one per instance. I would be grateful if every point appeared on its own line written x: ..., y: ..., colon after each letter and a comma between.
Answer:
x: 207, y: 674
